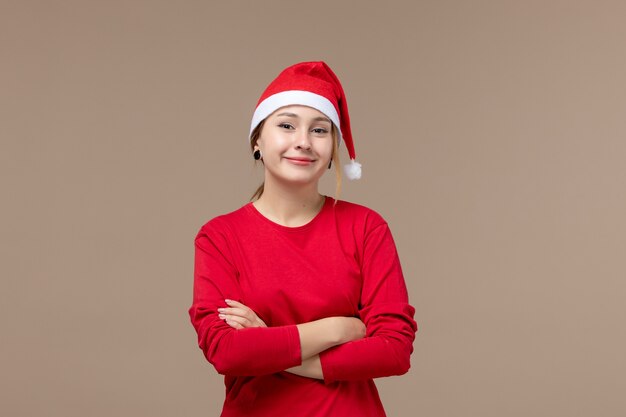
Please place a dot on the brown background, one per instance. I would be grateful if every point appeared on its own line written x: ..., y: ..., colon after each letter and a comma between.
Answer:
x: 492, y: 136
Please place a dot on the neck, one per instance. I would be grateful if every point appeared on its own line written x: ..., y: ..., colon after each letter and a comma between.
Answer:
x: 289, y: 206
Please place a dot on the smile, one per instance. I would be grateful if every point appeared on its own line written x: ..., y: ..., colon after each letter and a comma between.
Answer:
x: 300, y: 161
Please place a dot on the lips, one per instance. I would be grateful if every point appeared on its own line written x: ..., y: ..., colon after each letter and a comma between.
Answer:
x: 299, y: 160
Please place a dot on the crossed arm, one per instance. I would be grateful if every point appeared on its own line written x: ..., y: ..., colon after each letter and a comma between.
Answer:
x: 377, y: 344
x: 315, y: 336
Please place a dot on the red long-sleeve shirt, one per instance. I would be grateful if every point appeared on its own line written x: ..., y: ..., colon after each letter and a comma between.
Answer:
x: 342, y: 263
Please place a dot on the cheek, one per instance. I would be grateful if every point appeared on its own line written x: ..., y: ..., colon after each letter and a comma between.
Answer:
x: 272, y: 142
x: 325, y: 149
x: 272, y: 151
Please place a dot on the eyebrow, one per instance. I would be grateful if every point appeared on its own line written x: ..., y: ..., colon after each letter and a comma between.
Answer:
x: 316, y: 119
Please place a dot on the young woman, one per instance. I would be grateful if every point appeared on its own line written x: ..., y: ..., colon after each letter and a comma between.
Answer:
x: 299, y: 299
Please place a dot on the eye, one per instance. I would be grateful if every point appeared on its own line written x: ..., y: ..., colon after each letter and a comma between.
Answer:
x: 320, y: 130
x: 286, y: 126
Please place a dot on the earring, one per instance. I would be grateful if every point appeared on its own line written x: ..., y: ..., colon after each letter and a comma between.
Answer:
x: 257, y: 154
x: 330, y: 164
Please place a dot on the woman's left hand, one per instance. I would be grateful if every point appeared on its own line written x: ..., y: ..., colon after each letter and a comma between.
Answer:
x: 239, y: 316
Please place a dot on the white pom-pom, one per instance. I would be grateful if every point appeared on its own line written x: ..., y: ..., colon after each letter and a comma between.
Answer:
x: 352, y: 170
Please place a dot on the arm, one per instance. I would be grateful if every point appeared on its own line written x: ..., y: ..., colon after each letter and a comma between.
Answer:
x: 386, y: 349
x: 388, y: 344
x: 310, y: 368
x: 235, y: 349
x: 230, y: 351
x: 315, y: 336
x: 312, y: 343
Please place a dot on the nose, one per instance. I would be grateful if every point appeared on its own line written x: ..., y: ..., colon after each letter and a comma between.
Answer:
x: 303, y: 141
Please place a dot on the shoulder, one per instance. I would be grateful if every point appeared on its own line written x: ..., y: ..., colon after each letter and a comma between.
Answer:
x: 223, y: 224
x: 363, y: 230
x: 358, y: 215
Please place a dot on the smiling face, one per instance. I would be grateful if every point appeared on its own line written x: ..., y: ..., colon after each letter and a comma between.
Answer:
x: 297, y: 145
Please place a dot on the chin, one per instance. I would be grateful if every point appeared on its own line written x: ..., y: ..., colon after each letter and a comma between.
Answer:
x: 296, y: 180
x: 299, y: 178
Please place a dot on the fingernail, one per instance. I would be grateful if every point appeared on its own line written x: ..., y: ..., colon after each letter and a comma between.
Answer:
x: 221, y: 310
x: 228, y: 301
x: 221, y: 316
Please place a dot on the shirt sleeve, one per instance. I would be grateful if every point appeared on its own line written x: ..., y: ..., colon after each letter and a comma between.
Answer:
x: 386, y: 312
x: 245, y: 352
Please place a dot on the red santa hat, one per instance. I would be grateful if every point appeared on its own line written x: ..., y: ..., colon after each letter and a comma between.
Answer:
x: 315, y: 85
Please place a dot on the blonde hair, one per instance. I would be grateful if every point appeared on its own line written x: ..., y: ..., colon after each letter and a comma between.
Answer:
x: 254, y: 137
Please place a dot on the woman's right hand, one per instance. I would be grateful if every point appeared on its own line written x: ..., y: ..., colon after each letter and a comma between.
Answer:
x: 239, y: 316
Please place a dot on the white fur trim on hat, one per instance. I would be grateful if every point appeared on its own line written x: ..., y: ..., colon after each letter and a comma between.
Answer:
x: 294, y: 97
x: 352, y: 170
